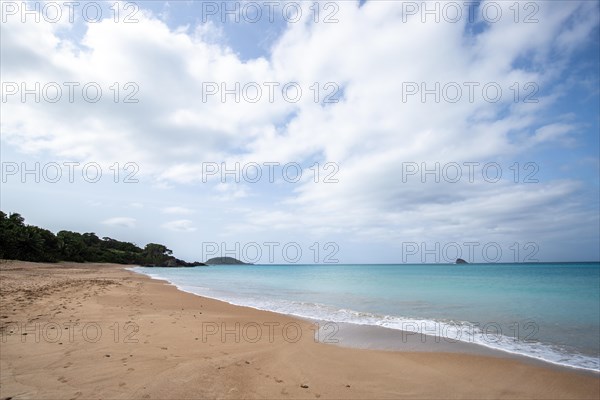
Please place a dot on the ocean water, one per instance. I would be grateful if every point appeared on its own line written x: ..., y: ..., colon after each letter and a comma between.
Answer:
x: 550, y: 312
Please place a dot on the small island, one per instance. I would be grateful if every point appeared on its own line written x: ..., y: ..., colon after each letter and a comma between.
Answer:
x: 461, y: 261
x: 225, y: 261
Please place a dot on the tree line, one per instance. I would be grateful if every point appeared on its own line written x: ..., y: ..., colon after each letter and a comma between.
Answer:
x: 19, y: 241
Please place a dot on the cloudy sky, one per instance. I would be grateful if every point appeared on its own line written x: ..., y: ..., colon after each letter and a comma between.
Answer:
x: 377, y: 131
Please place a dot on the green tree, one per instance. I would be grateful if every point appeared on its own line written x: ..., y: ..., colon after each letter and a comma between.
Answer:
x: 156, y: 253
x: 4, y: 236
x: 73, y: 246
x: 19, y: 241
x: 11, y: 236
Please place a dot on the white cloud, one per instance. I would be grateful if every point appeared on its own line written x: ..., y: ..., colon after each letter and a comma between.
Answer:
x: 180, y: 225
x: 554, y: 132
x: 170, y: 67
x: 122, y: 222
x: 371, y: 54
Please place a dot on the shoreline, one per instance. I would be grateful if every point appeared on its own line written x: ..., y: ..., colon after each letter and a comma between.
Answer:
x: 190, y: 346
x: 392, y: 339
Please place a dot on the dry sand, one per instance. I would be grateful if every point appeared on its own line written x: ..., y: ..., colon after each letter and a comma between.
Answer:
x: 83, y: 331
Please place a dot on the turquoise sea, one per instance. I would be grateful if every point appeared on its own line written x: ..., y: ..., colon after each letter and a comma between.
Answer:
x: 550, y: 311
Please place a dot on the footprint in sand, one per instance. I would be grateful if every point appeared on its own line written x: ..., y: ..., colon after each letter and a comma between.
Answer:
x: 62, y: 379
x: 77, y: 394
x: 67, y: 365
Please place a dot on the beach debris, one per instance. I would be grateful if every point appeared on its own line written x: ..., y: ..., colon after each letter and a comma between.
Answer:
x: 347, y: 385
x: 304, y: 386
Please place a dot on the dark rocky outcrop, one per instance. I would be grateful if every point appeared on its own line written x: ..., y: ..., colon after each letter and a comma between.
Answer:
x: 461, y: 261
x: 224, y: 261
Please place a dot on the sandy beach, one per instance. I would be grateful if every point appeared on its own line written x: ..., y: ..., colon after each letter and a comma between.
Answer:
x: 87, y: 331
